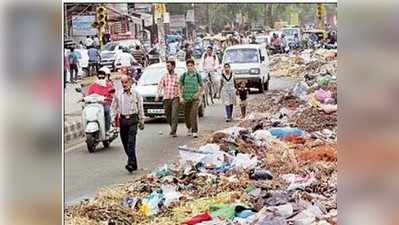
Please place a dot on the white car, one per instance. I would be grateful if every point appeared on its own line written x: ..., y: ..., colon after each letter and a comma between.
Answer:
x: 250, y: 63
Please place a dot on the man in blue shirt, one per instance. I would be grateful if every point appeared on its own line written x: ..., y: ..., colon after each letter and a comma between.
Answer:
x: 94, y: 58
x: 73, y: 58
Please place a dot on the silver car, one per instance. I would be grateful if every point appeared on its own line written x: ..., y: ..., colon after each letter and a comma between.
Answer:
x: 147, y: 87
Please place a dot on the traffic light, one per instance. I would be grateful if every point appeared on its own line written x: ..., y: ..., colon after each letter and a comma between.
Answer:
x: 320, y: 11
x: 101, y: 16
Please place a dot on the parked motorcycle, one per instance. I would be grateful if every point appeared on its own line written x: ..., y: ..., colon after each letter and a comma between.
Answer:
x: 94, y: 122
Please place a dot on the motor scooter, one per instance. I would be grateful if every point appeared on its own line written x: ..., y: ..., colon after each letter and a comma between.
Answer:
x: 94, y: 122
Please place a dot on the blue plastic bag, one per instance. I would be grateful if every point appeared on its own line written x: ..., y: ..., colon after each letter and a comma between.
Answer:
x: 280, y: 132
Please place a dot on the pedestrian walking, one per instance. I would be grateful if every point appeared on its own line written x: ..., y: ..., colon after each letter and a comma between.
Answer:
x: 228, y: 91
x: 170, y: 86
x: 242, y: 92
x: 73, y: 65
x: 191, y: 89
x: 89, y: 42
x: 94, y: 58
x: 210, y: 64
x: 129, y: 106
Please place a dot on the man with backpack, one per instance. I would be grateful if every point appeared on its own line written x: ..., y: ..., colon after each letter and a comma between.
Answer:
x: 191, y: 89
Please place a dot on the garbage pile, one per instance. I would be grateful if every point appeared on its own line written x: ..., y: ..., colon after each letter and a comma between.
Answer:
x: 272, y: 173
x: 308, y: 62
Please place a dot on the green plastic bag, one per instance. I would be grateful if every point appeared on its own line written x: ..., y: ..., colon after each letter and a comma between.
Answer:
x: 324, y: 80
x: 222, y: 211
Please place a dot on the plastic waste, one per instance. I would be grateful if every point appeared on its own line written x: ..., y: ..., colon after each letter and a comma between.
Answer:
x: 300, y: 91
x: 162, y: 171
x: 324, y: 80
x: 299, y: 182
x: 262, y: 135
x: 208, y: 155
x: 129, y: 202
x: 280, y: 132
x: 198, y: 219
x: 260, y: 175
x: 329, y: 108
x: 244, y: 161
x: 285, y: 210
x: 307, y: 216
x: 151, y: 203
x: 222, y: 211
x: 170, y: 194
x: 321, y: 95
x: 243, y: 212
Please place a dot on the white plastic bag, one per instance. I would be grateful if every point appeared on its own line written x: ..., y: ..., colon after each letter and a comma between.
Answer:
x: 244, y: 161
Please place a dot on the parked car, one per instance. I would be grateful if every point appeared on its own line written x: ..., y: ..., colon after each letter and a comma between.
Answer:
x: 147, y: 87
x: 111, y: 49
x: 250, y: 63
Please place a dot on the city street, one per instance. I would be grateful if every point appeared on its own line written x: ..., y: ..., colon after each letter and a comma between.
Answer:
x: 85, y: 172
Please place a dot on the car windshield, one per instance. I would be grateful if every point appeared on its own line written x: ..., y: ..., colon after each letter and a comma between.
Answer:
x: 241, y: 56
x: 110, y: 46
x: 152, y: 76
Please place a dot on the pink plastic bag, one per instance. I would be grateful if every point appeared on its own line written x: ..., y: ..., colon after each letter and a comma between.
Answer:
x: 321, y: 95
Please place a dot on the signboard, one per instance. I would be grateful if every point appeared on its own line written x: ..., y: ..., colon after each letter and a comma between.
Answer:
x: 190, y: 16
x: 147, y: 19
x: 122, y: 36
x: 177, y: 21
x: 115, y: 10
x: 81, y: 26
x: 143, y: 7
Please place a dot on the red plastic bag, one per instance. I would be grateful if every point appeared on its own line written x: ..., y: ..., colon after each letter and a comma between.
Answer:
x: 198, y: 219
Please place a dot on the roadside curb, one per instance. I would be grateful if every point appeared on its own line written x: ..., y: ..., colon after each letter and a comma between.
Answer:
x: 73, y: 130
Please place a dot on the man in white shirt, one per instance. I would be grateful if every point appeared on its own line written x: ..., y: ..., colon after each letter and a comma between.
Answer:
x: 210, y: 64
x: 96, y: 42
x: 125, y: 58
x: 88, y: 42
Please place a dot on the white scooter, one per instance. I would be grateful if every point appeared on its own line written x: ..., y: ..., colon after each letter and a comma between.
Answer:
x: 94, y: 122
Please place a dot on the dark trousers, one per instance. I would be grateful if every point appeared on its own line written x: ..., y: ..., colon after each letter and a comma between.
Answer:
x: 191, y: 115
x: 73, y: 70
x: 128, y: 131
x: 172, y: 113
x: 107, y: 117
x: 229, y: 111
x: 93, y: 65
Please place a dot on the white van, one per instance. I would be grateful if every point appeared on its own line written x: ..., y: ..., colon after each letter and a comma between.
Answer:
x: 250, y: 63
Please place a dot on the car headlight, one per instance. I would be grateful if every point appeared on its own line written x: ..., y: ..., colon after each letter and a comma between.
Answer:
x: 254, y: 71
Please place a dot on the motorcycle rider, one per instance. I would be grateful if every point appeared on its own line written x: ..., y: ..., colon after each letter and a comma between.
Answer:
x: 102, y: 86
x: 210, y: 64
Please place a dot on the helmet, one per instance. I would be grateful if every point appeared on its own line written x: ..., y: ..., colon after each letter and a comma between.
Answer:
x: 105, y: 70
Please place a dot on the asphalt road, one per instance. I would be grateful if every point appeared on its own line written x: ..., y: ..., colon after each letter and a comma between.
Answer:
x: 85, y: 172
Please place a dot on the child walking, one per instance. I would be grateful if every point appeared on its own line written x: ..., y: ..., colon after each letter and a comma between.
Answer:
x: 243, y: 92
